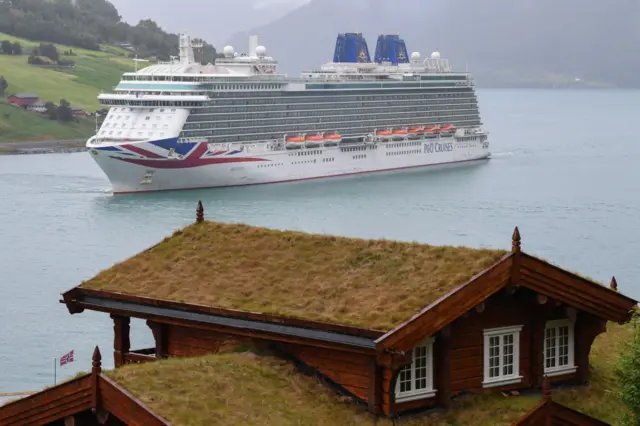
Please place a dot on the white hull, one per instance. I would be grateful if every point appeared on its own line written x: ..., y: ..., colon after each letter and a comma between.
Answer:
x: 143, y: 166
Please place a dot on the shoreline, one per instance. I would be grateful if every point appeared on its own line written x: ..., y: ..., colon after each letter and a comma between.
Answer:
x: 43, y: 147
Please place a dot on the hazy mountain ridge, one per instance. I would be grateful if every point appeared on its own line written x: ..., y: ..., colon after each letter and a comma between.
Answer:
x: 503, y: 43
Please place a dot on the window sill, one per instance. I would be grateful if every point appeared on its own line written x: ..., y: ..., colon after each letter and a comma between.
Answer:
x: 560, y: 371
x: 422, y: 395
x: 502, y: 382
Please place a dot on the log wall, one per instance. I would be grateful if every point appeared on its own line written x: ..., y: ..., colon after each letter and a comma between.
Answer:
x: 351, y: 371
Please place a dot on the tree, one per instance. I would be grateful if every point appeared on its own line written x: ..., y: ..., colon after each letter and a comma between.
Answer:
x: 64, y: 111
x: 3, y: 85
x: 52, y: 110
x: 628, y: 372
x: 49, y: 50
x: 17, y: 48
x: 6, y: 47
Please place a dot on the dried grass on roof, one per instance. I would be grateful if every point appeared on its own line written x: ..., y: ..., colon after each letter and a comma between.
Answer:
x: 234, y: 389
x: 248, y: 389
x: 366, y: 283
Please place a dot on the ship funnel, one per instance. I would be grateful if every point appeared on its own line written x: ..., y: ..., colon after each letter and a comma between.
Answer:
x: 351, y: 47
x: 253, y: 45
x: 391, y: 48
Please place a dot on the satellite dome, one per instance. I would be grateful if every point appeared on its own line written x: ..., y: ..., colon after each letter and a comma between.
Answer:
x: 228, y: 51
x: 435, y: 55
x: 415, y: 56
x: 261, y: 51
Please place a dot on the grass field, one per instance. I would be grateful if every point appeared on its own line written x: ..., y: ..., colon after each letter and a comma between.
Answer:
x: 94, y: 72
x: 21, y: 125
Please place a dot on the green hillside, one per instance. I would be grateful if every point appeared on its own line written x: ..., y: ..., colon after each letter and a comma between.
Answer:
x: 94, y: 71
x: 17, y: 124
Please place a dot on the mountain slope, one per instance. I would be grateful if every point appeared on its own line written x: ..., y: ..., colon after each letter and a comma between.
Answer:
x: 503, y: 42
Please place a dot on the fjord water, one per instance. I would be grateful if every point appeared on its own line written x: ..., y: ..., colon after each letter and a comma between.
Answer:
x: 564, y: 169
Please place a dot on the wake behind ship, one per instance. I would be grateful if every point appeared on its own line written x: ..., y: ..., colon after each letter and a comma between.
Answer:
x: 183, y: 125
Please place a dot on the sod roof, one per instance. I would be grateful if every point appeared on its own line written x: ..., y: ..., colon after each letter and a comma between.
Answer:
x: 374, y: 284
x: 243, y: 388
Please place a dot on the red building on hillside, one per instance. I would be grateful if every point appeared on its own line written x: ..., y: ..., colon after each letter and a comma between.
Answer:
x: 23, y: 99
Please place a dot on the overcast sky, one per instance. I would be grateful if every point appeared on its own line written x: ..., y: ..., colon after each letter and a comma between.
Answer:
x: 214, y: 20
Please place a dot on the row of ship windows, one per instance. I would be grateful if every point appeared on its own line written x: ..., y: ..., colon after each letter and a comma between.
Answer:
x: 359, y: 95
x: 358, y: 148
x: 360, y: 157
x: 133, y: 126
x: 329, y: 160
x: 473, y: 121
x: 306, y: 152
x: 311, y: 100
x: 370, y: 124
x: 403, y: 144
x: 262, y: 166
x: 179, y: 104
x: 304, y: 123
x: 412, y: 151
x: 128, y: 133
x: 327, y: 112
x: 468, y: 138
x: 305, y: 162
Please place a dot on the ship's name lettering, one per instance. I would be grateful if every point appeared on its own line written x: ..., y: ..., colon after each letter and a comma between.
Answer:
x: 438, y: 147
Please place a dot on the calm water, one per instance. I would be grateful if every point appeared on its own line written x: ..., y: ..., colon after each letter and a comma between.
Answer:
x: 564, y: 171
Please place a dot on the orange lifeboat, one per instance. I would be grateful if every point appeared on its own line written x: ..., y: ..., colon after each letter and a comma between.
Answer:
x: 334, y: 137
x: 295, y: 141
x: 433, y: 129
x: 384, y: 134
x: 400, y: 134
x: 315, y: 140
x: 416, y: 132
x: 449, y: 128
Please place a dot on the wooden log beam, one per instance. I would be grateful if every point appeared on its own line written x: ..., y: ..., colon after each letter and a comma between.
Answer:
x: 480, y: 308
x: 121, y: 339
x: 542, y: 299
x: 442, y: 367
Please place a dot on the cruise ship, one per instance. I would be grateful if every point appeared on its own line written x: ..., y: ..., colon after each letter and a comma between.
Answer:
x: 238, y: 121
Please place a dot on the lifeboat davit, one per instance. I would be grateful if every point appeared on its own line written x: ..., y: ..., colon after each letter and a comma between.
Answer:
x: 334, y: 137
x: 315, y: 140
x: 384, y: 135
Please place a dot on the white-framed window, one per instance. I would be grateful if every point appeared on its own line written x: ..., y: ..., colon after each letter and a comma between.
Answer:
x: 559, y: 348
x: 502, y: 356
x: 415, y: 381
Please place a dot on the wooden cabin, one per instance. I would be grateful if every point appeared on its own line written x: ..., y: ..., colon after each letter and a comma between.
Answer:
x: 239, y: 389
x: 398, y: 326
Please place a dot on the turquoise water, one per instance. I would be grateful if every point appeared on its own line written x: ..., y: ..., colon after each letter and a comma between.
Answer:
x: 564, y: 171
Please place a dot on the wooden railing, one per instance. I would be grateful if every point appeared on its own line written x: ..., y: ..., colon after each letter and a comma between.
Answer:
x: 140, y: 356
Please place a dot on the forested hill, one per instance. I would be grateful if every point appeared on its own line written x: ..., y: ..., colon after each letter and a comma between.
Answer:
x: 503, y: 42
x: 87, y: 24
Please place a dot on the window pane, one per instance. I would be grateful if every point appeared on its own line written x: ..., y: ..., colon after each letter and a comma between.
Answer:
x: 563, y: 346
x: 550, y: 344
x: 494, y: 356
x: 420, y: 365
x: 405, y: 379
x: 507, y: 358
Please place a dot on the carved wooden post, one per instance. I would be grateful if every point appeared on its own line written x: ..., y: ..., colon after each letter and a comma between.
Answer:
x: 121, y: 342
x: 375, y: 388
x: 442, y: 364
x: 161, y: 336
x: 200, y: 213
x: 546, y: 389
x: 614, y: 284
x: 515, y: 241
x: 96, y: 369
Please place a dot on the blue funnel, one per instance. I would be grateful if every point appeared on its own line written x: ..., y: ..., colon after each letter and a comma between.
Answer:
x: 391, y: 48
x: 351, y: 47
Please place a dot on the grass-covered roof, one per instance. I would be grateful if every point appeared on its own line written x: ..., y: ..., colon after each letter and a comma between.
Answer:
x: 243, y: 388
x: 373, y: 284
